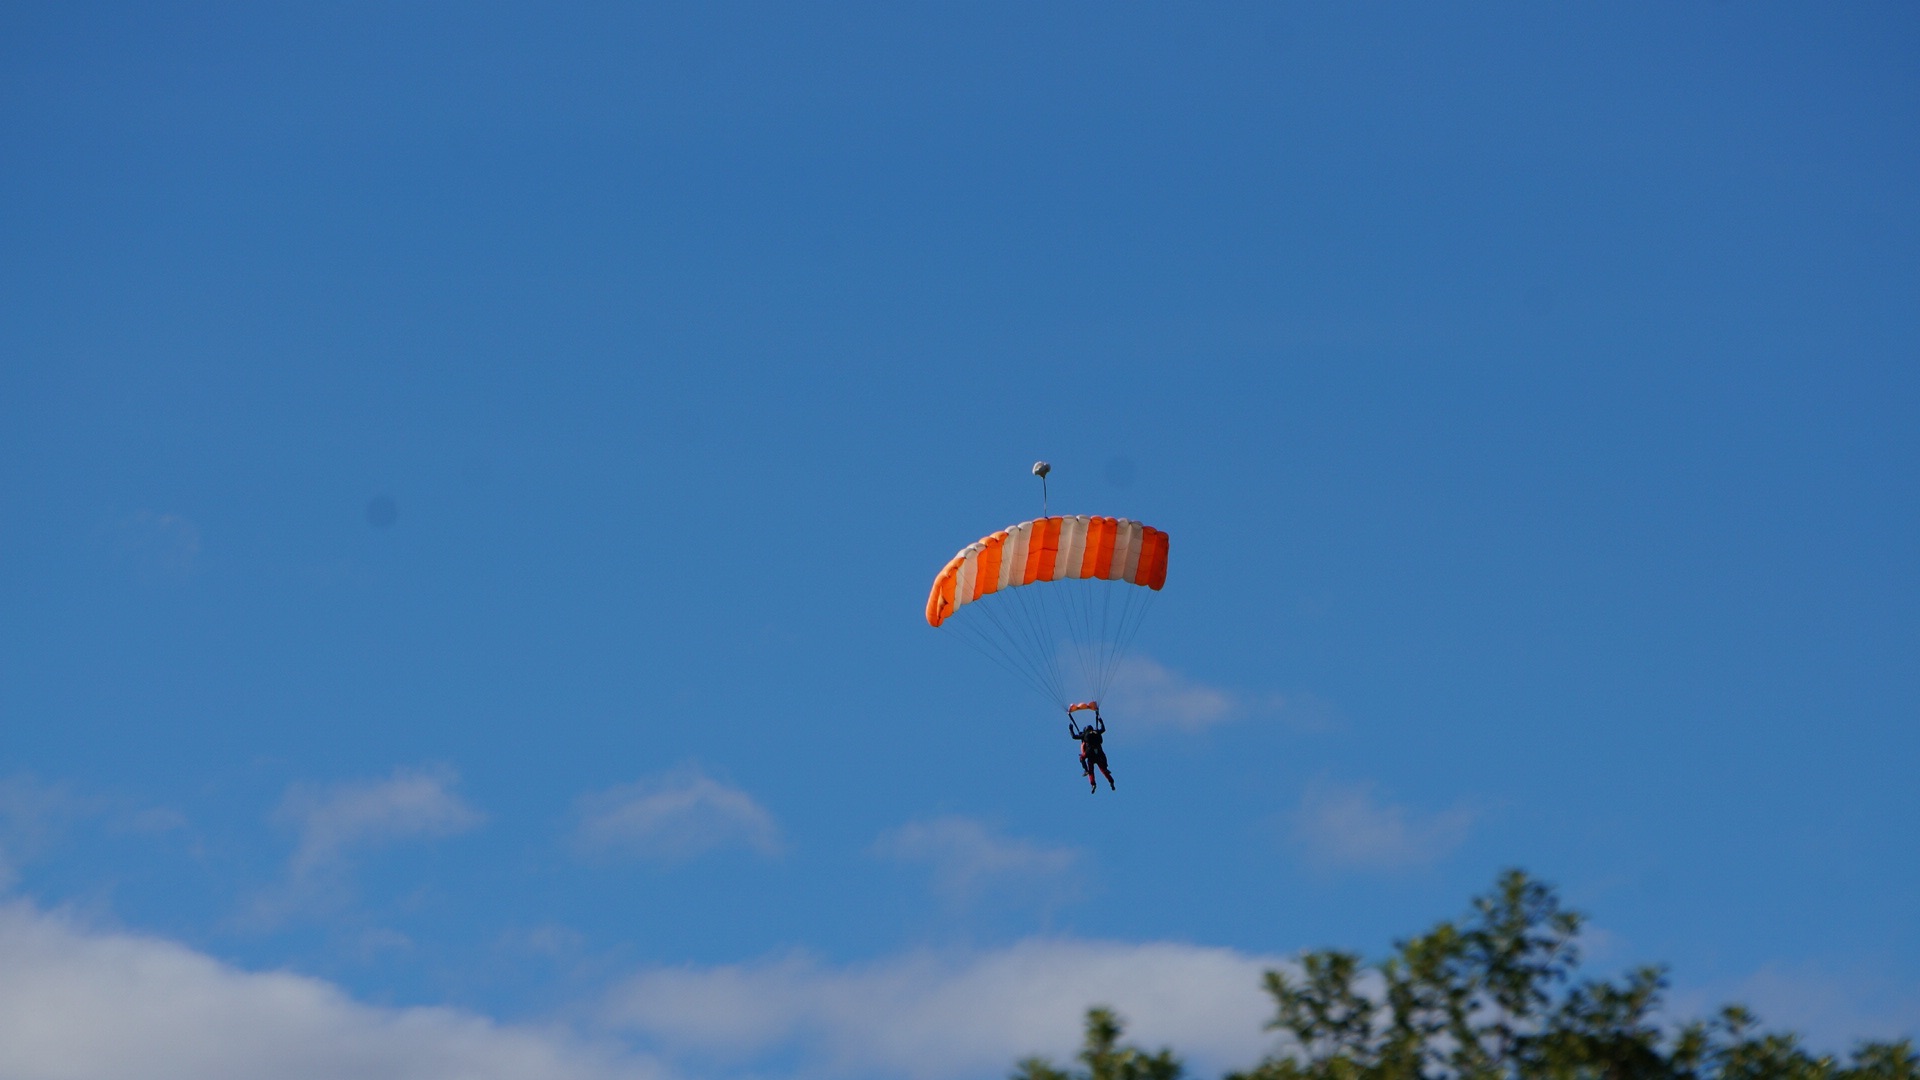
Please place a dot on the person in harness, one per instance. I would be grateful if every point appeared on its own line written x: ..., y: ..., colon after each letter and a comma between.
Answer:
x: 1089, y: 737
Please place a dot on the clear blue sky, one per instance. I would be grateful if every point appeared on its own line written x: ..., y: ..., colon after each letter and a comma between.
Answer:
x: 1529, y: 391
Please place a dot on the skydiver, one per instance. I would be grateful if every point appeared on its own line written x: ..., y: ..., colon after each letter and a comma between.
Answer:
x: 1089, y: 738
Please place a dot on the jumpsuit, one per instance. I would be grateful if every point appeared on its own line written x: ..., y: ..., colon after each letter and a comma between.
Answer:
x: 1091, y: 754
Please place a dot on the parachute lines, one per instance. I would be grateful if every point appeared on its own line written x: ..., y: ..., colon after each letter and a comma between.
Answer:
x: 1076, y: 599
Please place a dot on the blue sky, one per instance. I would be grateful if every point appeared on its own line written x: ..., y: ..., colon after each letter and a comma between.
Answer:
x: 1528, y: 392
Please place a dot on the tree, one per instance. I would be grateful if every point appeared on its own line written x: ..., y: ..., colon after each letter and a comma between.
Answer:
x: 1493, y: 996
x: 1104, y: 1057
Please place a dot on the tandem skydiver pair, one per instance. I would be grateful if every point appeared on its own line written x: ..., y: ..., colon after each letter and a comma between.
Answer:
x: 1089, y: 737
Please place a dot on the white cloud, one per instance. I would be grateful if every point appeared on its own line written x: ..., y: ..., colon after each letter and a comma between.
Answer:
x: 675, y: 816
x: 153, y: 821
x: 547, y: 940
x: 79, y: 1004
x: 335, y: 820
x: 1343, y: 825
x: 1146, y: 692
x: 1831, y: 1009
x: 931, y: 1015
x: 1154, y: 695
x: 35, y: 815
x: 31, y: 812
x: 1305, y: 713
x: 967, y: 859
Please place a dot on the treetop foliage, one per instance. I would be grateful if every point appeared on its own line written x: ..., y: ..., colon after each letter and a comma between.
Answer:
x: 1105, y: 1058
x: 1492, y: 996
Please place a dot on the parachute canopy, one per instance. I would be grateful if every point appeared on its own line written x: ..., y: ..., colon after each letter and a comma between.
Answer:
x: 1049, y: 549
x: 1031, y: 631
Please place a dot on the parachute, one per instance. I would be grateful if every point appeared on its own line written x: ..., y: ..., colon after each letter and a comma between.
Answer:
x: 1056, y: 600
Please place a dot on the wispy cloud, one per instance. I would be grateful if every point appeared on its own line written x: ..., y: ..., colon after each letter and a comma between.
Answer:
x: 37, y: 816
x: 547, y: 940
x: 675, y: 816
x: 967, y: 859
x: 152, y: 821
x: 336, y: 820
x: 1347, y: 826
x: 31, y: 814
x: 1305, y: 713
x: 335, y: 823
x: 91, y: 1005
x: 1150, y: 693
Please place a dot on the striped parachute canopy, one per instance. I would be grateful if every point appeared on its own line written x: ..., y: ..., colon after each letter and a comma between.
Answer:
x: 1060, y: 608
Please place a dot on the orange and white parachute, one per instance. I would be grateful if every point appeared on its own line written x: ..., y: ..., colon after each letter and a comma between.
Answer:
x: 1050, y: 549
x: 1068, y: 635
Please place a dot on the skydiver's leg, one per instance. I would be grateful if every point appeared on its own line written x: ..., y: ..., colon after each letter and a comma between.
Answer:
x: 1086, y: 766
x: 1102, y: 761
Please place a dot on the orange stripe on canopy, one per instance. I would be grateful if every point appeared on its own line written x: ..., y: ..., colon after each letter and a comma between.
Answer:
x: 986, y: 579
x: 1100, y: 555
x: 940, y: 602
x: 1154, y: 574
x: 1043, y: 549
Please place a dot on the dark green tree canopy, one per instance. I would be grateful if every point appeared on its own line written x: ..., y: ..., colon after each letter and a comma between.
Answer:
x: 1105, y: 1058
x: 1492, y: 996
